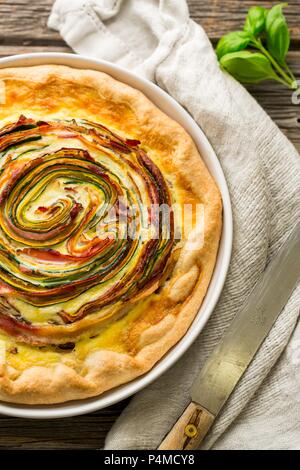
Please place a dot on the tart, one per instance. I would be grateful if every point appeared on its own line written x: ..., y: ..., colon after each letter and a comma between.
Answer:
x: 109, y: 231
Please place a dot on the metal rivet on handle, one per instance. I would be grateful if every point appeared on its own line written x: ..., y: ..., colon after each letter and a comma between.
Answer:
x: 190, y: 430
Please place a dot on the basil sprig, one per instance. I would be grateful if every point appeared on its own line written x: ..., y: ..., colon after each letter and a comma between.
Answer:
x: 259, y: 51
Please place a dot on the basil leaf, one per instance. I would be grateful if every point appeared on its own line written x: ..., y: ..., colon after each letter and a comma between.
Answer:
x: 255, y: 20
x: 232, y: 42
x: 278, y: 35
x: 248, y: 67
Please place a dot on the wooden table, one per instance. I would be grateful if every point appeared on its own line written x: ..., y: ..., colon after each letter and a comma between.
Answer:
x: 23, y: 28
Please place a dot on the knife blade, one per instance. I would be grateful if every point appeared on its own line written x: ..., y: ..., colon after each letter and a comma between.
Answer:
x: 232, y: 356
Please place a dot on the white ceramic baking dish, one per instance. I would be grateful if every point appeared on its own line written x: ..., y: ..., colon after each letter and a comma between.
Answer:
x: 175, y: 111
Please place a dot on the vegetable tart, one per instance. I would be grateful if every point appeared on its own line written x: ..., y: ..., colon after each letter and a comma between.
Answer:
x: 109, y: 230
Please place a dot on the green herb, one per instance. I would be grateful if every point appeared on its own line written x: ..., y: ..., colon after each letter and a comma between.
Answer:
x: 259, y: 51
x: 255, y: 20
x: 278, y: 36
x: 232, y: 42
x: 248, y: 67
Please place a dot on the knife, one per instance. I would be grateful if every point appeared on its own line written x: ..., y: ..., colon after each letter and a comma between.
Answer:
x: 231, y: 357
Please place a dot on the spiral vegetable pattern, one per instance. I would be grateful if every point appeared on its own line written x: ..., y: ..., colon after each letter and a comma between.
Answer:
x: 76, y: 216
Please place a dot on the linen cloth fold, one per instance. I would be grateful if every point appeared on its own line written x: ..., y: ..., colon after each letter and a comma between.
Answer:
x: 159, y: 41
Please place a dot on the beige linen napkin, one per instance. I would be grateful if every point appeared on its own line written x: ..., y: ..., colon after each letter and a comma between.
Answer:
x: 158, y: 40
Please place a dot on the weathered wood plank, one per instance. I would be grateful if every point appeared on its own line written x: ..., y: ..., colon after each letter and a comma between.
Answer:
x: 221, y: 16
x: 80, y: 432
x: 28, y: 19
x: 27, y: 48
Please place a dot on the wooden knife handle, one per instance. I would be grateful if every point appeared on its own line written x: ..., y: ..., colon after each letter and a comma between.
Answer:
x: 190, y: 429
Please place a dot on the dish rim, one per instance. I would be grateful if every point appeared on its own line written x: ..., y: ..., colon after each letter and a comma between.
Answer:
x: 174, y: 110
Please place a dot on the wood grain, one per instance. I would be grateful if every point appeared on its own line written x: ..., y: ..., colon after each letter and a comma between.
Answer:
x: 80, y: 432
x: 27, y: 19
x: 189, y: 430
x: 221, y: 16
x: 23, y: 28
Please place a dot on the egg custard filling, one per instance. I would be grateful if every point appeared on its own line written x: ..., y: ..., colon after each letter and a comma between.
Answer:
x: 101, y: 270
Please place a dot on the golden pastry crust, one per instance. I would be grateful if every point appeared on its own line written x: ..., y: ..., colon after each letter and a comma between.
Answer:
x: 36, y: 370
